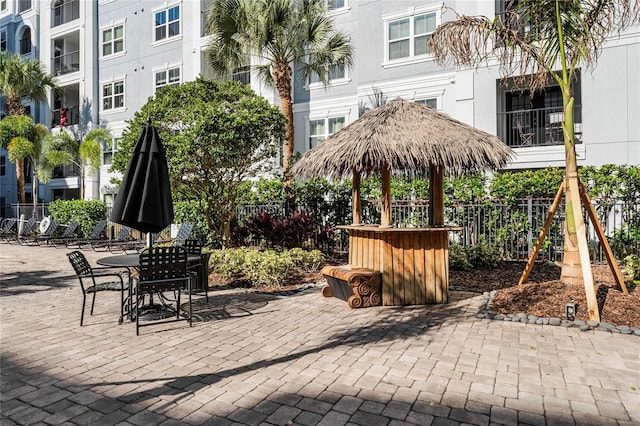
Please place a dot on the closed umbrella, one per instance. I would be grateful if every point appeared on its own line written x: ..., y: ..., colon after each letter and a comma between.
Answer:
x: 144, y: 201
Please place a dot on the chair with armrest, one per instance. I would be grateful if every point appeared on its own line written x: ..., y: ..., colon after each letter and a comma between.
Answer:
x: 162, y: 269
x: 95, y: 235
x: 89, y: 285
x: 62, y: 239
x: 194, y: 247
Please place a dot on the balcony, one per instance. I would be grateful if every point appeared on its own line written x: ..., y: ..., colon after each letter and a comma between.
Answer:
x: 65, y: 171
x: 72, y: 114
x: 243, y: 75
x: 67, y: 63
x: 65, y: 11
x: 536, y: 127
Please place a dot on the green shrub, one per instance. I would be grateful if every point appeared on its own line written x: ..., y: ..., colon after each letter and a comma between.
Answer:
x: 86, y: 213
x: 264, y: 267
x: 481, y: 255
x: 305, y: 260
x: 633, y: 266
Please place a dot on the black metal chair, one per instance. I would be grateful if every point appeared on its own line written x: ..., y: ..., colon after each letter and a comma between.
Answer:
x: 84, y: 271
x: 162, y: 269
x: 96, y: 234
x: 8, y: 228
x: 194, y: 247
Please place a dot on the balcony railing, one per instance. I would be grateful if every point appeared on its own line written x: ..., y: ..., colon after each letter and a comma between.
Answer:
x: 64, y: 172
x: 65, y: 11
x: 243, y: 75
x: 536, y: 127
x: 64, y: 64
x: 73, y: 116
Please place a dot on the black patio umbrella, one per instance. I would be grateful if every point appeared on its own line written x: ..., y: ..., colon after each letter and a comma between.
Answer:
x: 144, y: 200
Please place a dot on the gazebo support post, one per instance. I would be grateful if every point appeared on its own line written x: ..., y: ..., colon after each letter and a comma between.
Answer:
x: 355, y: 199
x: 436, y: 196
x: 385, y: 214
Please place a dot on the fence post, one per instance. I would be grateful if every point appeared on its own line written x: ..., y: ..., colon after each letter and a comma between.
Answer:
x: 530, y: 231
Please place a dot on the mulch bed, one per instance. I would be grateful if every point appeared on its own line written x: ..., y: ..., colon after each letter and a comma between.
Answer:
x: 543, y: 295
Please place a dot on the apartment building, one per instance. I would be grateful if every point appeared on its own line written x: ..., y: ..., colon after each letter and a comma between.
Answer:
x: 110, y: 56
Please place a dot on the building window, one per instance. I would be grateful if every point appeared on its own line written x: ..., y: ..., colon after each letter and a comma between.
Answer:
x: 24, y: 5
x: 167, y: 23
x: 525, y: 120
x: 336, y: 4
x: 3, y: 165
x: 3, y: 5
x: 109, y: 151
x: 113, y: 95
x: 431, y: 102
x: 25, y: 42
x: 113, y: 40
x: 3, y: 40
x: 321, y: 129
x: 408, y: 37
x: 168, y: 77
x: 336, y: 72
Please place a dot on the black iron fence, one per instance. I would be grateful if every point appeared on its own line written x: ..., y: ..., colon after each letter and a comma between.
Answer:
x: 512, y: 227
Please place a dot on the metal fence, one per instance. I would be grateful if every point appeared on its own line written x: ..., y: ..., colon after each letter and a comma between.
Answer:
x: 512, y: 227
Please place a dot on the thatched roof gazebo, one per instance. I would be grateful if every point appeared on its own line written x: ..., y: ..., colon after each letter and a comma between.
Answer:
x: 403, y: 137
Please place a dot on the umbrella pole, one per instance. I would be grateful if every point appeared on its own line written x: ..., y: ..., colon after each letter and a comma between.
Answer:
x: 148, y: 239
x: 385, y: 214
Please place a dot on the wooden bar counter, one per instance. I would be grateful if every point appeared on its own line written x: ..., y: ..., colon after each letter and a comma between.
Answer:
x: 414, y: 261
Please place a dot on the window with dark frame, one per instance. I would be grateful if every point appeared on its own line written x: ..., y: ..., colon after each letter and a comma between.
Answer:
x: 25, y: 42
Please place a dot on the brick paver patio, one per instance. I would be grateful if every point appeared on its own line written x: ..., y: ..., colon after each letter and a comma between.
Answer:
x: 256, y: 359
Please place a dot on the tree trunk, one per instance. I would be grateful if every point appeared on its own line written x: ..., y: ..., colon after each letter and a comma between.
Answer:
x: 281, y: 73
x: 14, y: 105
x: 20, y: 181
x: 34, y: 191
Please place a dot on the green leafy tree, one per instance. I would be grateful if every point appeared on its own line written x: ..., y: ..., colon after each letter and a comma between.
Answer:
x: 277, y: 35
x: 85, y: 155
x: 217, y: 136
x: 22, y: 138
x: 535, y: 41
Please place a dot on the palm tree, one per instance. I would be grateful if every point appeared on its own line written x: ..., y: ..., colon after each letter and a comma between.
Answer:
x: 25, y: 144
x: 276, y: 35
x: 21, y: 79
x: 86, y: 155
x: 561, y: 36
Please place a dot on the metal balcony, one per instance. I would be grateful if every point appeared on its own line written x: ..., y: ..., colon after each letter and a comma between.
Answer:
x: 536, y: 127
x: 65, y: 11
x: 67, y: 63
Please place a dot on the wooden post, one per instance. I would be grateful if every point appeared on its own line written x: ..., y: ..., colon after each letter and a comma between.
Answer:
x: 583, y: 249
x: 385, y: 216
x: 543, y: 233
x: 355, y: 199
x: 603, y: 239
x: 436, y: 196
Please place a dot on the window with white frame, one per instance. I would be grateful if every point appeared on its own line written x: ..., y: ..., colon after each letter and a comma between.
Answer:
x: 24, y: 5
x: 168, y: 77
x: 431, y: 102
x: 322, y: 128
x: 335, y: 72
x: 25, y: 42
x: 167, y: 23
x: 113, y: 40
x: 3, y: 40
x: 408, y: 37
x: 109, y: 151
x: 336, y: 4
x: 3, y: 5
x: 113, y: 95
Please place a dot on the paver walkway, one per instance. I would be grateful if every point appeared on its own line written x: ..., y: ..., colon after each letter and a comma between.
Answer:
x: 302, y: 359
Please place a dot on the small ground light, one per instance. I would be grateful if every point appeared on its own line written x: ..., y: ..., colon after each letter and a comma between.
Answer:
x: 570, y: 309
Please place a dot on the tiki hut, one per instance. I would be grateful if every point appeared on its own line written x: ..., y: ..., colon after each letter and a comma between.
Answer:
x: 411, y: 138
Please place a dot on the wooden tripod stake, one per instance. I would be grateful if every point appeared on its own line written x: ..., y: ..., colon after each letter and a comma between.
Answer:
x: 588, y: 278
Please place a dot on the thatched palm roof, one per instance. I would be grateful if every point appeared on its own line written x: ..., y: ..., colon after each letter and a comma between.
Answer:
x: 407, y: 136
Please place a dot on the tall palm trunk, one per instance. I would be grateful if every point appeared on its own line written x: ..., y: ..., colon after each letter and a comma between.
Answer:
x: 281, y: 73
x: 20, y: 181
x: 14, y: 105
